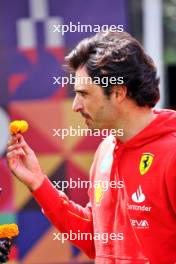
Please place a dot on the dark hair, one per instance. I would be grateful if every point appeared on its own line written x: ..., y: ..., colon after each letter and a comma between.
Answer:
x: 114, y: 54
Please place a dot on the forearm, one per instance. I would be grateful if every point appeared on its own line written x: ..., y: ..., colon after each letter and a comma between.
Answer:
x: 66, y: 215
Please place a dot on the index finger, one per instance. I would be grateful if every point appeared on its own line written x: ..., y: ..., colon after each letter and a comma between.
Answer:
x: 25, y: 146
x: 13, y: 139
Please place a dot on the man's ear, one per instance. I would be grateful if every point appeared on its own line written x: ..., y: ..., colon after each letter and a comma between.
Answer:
x: 119, y: 92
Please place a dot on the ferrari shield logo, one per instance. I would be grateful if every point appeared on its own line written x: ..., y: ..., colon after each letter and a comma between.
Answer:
x: 145, y: 163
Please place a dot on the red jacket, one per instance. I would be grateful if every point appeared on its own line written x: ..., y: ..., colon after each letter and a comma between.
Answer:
x: 139, y: 205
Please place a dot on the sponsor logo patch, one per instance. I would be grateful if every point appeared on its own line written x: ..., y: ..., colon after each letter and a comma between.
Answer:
x: 145, y: 163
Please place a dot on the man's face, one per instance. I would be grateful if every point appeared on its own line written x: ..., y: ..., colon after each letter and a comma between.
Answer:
x: 98, y: 110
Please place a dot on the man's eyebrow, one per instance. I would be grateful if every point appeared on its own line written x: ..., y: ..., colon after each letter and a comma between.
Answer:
x: 80, y: 91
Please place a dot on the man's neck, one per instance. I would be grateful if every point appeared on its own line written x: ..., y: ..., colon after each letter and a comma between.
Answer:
x: 135, y: 121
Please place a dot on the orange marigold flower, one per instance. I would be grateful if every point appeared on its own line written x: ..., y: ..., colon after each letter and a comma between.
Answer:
x: 18, y: 126
x: 8, y: 231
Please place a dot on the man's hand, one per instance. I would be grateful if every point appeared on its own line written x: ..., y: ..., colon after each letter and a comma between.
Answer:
x: 5, y: 250
x: 23, y: 163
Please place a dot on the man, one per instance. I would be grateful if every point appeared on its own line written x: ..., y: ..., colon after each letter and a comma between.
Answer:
x: 138, y: 211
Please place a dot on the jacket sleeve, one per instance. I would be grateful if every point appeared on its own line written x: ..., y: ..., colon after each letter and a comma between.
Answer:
x: 66, y: 215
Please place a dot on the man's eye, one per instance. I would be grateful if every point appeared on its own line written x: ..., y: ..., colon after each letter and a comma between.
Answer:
x: 82, y: 93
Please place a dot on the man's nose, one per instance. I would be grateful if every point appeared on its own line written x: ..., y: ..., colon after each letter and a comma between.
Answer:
x: 77, y: 105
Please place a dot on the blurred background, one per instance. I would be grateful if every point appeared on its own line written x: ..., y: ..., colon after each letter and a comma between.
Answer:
x: 30, y: 55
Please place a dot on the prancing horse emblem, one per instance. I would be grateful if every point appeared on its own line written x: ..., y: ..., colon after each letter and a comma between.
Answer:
x: 145, y: 163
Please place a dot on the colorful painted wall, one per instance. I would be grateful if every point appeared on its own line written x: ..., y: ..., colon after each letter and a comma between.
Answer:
x: 30, y: 55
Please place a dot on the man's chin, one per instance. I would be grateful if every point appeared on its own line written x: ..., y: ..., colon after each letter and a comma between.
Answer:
x: 92, y: 126
x: 89, y: 124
